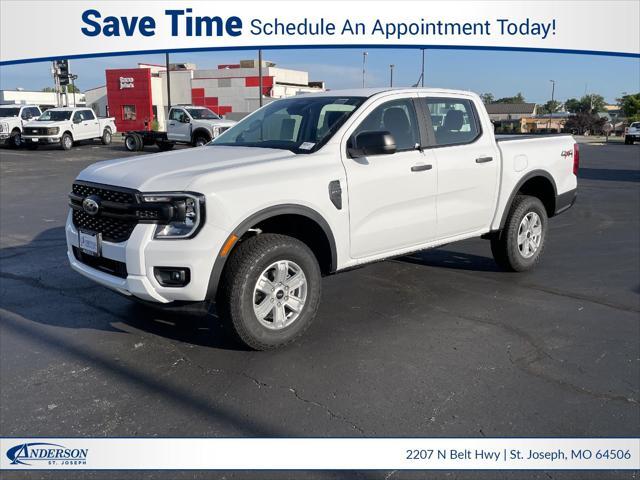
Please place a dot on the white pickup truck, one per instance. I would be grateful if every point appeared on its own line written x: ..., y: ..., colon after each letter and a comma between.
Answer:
x: 632, y: 133
x: 187, y: 124
x: 12, y: 121
x: 312, y: 185
x: 66, y: 125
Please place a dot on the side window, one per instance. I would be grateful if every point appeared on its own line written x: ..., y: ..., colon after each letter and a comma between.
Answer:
x: 35, y: 112
x: 176, y: 114
x: 88, y: 115
x: 397, y: 117
x: 453, y: 119
x: 77, y: 117
x: 26, y: 114
x: 128, y: 112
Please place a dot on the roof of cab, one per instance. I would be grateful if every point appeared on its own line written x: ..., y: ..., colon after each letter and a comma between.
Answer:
x: 370, y: 92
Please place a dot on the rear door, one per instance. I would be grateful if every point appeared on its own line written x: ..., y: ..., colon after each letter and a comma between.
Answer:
x: 468, y: 165
x: 392, y: 197
x: 91, y: 124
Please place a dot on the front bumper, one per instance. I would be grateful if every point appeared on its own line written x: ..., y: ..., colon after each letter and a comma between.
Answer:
x: 40, y: 139
x: 4, y: 136
x: 141, y: 253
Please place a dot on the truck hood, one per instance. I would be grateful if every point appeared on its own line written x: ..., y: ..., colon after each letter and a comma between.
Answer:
x: 42, y: 124
x: 10, y: 119
x: 175, y: 171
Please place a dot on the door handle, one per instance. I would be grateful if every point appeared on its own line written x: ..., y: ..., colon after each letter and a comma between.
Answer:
x: 484, y: 159
x: 421, y: 168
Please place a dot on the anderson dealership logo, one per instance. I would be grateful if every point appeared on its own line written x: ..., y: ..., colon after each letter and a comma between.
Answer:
x: 50, y: 453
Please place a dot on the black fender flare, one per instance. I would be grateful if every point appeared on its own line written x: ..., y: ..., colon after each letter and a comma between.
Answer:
x: 522, y: 181
x: 206, y: 133
x: 269, y: 212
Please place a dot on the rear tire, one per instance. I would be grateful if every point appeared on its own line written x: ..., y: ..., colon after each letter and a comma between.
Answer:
x: 66, y: 142
x: 106, y: 137
x: 133, y: 142
x: 270, y: 291
x: 628, y: 140
x: 520, y: 244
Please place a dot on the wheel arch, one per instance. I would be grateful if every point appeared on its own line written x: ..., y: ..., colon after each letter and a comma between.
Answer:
x: 200, y: 130
x: 537, y: 183
x: 317, y: 234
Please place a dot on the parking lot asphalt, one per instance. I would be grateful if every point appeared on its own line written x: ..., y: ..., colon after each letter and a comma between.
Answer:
x: 437, y: 344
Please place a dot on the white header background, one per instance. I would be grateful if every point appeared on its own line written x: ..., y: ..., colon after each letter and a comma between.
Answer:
x: 37, y: 29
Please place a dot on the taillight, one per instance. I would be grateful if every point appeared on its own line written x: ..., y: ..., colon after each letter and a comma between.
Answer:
x: 576, y: 159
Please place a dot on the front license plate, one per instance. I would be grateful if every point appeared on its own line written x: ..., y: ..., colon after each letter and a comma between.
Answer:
x: 35, y: 140
x: 89, y: 243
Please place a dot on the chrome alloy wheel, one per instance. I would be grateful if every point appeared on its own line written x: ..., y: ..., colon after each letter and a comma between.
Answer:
x: 280, y: 294
x: 529, y: 234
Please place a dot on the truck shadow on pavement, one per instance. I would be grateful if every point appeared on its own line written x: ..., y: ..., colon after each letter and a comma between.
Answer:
x: 609, y: 174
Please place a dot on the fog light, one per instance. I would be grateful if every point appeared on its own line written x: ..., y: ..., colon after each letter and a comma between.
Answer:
x: 172, y: 276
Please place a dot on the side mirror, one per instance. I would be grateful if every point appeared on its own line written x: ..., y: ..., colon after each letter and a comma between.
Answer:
x: 372, y: 143
x: 186, y: 119
x: 77, y: 120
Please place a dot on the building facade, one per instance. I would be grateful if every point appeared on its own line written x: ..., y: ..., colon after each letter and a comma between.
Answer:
x: 137, y: 97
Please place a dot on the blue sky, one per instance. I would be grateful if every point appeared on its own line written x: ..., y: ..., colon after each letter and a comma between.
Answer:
x: 503, y: 73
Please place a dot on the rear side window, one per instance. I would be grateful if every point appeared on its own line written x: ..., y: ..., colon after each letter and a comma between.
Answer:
x: 88, y: 115
x: 397, y: 117
x: 453, y: 119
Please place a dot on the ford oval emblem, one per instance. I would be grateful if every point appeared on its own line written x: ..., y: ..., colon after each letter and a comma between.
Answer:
x: 91, y: 205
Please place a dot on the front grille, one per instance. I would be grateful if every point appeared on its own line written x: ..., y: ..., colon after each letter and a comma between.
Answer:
x: 112, y: 267
x: 112, y: 229
x: 36, y: 131
x: 114, y: 221
x: 111, y: 195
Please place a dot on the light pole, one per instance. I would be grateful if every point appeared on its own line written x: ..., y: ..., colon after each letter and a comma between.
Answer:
x: 391, y: 74
x: 364, y: 67
x: 260, y: 77
x: 422, y: 75
x: 553, y: 91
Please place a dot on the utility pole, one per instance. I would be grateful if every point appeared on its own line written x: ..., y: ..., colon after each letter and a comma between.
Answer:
x: 422, y: 75
x: 553, y: 90
x: 73, y: 88
x: 391, y: 74
x: 364, y: 67
x: 260, y: 77
x: 166, y: 61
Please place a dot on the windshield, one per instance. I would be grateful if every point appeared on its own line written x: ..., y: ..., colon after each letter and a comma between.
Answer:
x: 55, y: 116
x: 301, y: 125
x: 9, y: 111
x: 202, y: 114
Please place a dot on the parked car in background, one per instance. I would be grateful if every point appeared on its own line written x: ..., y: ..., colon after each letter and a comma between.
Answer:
x: 632, y: 133
x: 12, y: 121
x: 312, y: 185
x: 66, y: 125
x: 186, y: 124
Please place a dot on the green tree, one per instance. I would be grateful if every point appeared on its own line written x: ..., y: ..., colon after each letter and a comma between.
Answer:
x: 591, y: 103
x: 552, y: 106
x: 487, y: 98
x: 519, y: 98
x: 630, y: 105
x: 48, y: 89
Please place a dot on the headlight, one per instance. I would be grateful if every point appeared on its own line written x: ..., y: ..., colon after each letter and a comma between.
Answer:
x: 215, y: 131
x: 4, y: 127
x: 53, y: 130
x: 183, y: 213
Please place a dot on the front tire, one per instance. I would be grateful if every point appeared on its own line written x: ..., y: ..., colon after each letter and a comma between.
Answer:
x: 200, y: 140
x: 15, y: 140
x: 270, y: 291
x: 66, y: 142
x: 520, y: 244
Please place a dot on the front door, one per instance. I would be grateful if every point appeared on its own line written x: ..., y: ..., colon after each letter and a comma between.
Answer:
x: 392, y: 197
x: 179, y: 126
